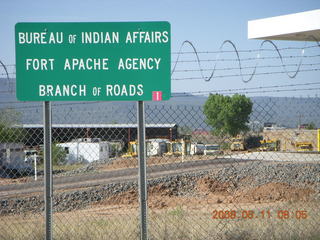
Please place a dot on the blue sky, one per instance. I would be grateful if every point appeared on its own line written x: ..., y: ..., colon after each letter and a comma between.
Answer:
x: 205, y: 23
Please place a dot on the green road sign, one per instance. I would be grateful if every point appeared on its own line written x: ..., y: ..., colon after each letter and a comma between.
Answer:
x: 122, y: 61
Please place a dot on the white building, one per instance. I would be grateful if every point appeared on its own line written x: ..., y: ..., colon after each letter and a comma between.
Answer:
x: 86, y: 150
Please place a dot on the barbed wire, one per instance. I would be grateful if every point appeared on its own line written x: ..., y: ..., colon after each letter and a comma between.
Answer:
x: 250, y: 88
x: 246, y: 59
x: 11, y: 90
x: 263, y: 91
x: 239, y: 60
x: 222, y: 69
x: 247, y: 50
x: 6, y: 74
x: 249, y: 74
x: 227, y: 60
x: 240, y: 67
x: 249, y: 67
x: 225, y: 76
x: 227, y: 68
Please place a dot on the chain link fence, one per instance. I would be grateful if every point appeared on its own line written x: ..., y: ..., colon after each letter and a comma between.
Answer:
x: 264, y: 184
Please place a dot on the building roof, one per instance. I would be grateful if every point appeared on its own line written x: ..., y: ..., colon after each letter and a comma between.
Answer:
x: 154, y: 125
x: 303, y: 26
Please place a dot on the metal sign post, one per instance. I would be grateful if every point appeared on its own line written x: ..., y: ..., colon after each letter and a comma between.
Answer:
x: 142, y: 171
x: 47, y: 169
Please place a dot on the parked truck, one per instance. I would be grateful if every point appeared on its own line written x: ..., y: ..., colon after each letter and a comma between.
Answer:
x: 304, y: 146
x: 269, y: 145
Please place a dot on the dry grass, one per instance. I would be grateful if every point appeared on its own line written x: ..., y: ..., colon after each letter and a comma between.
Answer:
x: 64, y: 168
x: 119, y: 223
x: 132, y: 162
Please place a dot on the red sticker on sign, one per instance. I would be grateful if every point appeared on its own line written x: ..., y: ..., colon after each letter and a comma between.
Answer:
x: 157, y: 96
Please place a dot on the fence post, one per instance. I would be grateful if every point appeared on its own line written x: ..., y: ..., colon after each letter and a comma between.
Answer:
x: 142, y: 171
x: 48, y: 169
x: 35, y: 166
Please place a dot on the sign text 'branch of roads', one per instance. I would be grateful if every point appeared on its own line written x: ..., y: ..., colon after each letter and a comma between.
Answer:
x: 127, y: 61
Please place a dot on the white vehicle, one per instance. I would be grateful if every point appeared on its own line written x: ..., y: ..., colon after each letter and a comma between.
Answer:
x: 86, y: 150
x: 197, y: 149
x: 212, y: 149
x: 12, y: 159
x: 156, y: 147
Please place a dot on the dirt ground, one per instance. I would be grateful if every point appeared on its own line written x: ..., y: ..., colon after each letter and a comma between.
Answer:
x: 209, y: 192
x: 6, y: 181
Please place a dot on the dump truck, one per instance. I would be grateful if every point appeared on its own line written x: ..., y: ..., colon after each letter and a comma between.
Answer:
x: 304, y: 146
x: 269, y: 145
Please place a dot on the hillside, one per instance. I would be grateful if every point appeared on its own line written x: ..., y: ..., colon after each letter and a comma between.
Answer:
x: 185, y: 110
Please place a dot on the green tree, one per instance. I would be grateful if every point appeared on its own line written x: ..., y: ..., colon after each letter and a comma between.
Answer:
x: 9, y: 131
x: 58, y: 155
x: 311, y: 126
x: 228, y: 115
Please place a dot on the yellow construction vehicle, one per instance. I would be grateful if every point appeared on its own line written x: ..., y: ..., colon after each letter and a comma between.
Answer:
x: 269, y: 145
x: 178, y: 147
x: 132, y: 149
x: 304, y: 146
x: 237, y: 144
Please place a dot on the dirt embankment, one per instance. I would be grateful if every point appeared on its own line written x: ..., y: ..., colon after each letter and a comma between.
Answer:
x: 209, y: 191
x: 251, y: 183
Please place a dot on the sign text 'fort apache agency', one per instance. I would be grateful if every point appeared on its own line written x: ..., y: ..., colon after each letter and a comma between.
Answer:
x: 127, y: 61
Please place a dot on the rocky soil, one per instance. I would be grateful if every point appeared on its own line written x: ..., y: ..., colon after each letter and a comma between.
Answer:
x: 254, y: 182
